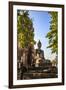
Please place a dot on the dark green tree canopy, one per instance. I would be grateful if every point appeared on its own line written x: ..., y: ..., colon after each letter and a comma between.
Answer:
x: 52, y: 35
x: 25, y: 30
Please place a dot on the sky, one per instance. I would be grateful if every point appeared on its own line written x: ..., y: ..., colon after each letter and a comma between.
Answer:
x: 41, y: 26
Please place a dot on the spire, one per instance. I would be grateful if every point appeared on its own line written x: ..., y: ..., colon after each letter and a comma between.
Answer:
x: 39, y: 44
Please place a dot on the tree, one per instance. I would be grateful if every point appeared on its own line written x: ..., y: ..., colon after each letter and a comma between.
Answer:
x: 25, y: 30
x: 52, y: 35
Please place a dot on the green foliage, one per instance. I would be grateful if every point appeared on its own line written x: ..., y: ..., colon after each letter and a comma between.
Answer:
x: 25, y: 30
x: 52, y: 35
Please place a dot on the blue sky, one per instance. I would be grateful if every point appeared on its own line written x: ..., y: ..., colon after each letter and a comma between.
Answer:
x: 41, y: 27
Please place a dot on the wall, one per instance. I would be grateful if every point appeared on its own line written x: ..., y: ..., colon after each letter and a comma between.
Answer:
x: 4, y: 44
